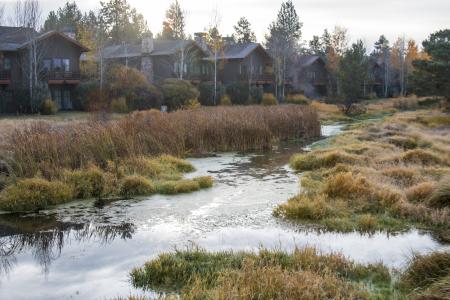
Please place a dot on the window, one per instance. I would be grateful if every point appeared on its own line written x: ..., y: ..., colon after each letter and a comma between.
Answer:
x: 47, y: 65
x: 7, y: 64
x: 66, y: 65
x: 57, y: 64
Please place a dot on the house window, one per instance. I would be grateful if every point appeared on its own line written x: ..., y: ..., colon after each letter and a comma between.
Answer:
x: 7, y: 64
x: 66, y: 65
x: 57, y: 64
x: 47, y: 65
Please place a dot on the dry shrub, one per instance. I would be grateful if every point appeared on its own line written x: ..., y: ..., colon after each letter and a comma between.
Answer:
x: 440, y: 197
x: 87, y: 183
x: 419, y: 193
x: 303, y: 207
x: 367, y: 223
x: 179, y: 187
x: 298, y: 99
x: 402, y: 176
x: 404, y: 142
x: 225, y: 100
x: 48, y: 148
x: 419, y: 156
x: 426, y: 270
x: 317, y: 160
x: 269, y: 100
x: 204, y: 181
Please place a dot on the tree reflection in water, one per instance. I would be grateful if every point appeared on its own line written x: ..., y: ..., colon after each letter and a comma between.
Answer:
x: 45, y: 236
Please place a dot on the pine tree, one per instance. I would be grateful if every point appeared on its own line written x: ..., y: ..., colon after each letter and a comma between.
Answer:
x: 243, y: 32
x: 353, y: 69
x: 174, y: 25
x: 68, y: 16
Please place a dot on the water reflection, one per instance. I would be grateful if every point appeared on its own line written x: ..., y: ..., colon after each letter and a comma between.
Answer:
x: 45, y: 237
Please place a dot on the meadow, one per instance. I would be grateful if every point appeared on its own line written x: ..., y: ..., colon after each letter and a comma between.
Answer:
x: 46, y: 163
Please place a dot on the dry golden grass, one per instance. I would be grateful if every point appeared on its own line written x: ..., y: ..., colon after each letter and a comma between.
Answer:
x: 389, y: 174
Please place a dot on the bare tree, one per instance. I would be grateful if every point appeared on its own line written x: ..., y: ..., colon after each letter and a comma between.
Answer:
x: 215, y: 43
x: 185, y: 57
x: 27, y: 15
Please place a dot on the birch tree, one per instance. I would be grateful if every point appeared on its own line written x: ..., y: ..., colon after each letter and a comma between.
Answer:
x: 215, y: 43
x: 283, y: 42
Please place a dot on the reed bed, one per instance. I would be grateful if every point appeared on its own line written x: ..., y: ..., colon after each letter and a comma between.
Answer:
x: 45, y: 148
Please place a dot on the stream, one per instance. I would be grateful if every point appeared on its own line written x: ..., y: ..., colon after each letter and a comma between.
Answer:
x: 83, y: 250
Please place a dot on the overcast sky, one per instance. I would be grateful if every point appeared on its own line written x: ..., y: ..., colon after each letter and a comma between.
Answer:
x: 364, y: 19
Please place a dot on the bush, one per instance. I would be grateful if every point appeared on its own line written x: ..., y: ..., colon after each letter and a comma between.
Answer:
x: 256, y: 94
x: 206, y: 90
x: 136, y: 186
x: 419, y: 156
x: 119, y: 105
x: 225, y: 100
x: 419, y: 193
x: 269, y: 99
x: 86, y: 183
x: 440, y: 197
x: 238, y: 93
x: 192, y: 104
x: 298, y: 99
x: 34, y: 194
x: 204, y: 181
x: 178, y: 187
x: 178, y: 92
x: 48, y: 107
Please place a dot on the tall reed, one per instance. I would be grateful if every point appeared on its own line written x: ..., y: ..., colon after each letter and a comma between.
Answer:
x: 45, y: 148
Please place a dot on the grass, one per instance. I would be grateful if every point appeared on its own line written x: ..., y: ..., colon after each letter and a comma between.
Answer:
x: 389, y: 174
x: 303, y: 274
x: 135, y: 176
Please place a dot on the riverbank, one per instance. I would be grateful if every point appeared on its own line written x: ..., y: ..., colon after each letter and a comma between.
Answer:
x: 45, y: 163
x: 389, y: 175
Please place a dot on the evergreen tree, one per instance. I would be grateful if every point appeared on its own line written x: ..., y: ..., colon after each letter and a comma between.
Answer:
x: 353, y: 69
x: 68, y: 16
x: 316, y: 46
x: 243, y: 32
x: 121, y: 22
x: 174, y: 25
x: 382, y: 51
x: 432, y: 75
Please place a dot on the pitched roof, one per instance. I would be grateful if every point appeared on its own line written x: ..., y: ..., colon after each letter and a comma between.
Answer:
x: 160, y: 48
x: 238, y: 51
x: 12, y: 37
x: 15, y: 38
x: 307, y: 60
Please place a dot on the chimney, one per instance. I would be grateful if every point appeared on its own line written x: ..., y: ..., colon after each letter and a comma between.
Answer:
x: 69, y: 32
x: 148, y: 44
x: 147, y: 47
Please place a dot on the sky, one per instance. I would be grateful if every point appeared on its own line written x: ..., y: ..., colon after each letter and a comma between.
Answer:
x: 364, y: 19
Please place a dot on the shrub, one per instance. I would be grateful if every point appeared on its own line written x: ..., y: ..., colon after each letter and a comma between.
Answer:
x: 440, y: 197
x: 192, y: 104
x: 402, y: 176
x: 327, y: 159
x: 204, y: 181
x: 297, y: 99
x: 367, y: 223
x: 34, y: 194
x: 425, y: 270
x: 180, y: 164
x: 48, y: 107
x: 143, y: 166
x: 136, y: 186
x: 178, y: 187
x: 304, y: 208
x: 256, y: 94
x: 419, y: 156
x: 419, y: 193
x: 225, y: 100
x: 239, y: 93
x: 86, y: 183
x: 119, y: 105
x: 406, y: 103
x: 269, y: 99
x: 206, y: 90
x: 178, y: 92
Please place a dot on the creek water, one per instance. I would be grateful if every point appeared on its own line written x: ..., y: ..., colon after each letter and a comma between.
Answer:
x: 84, y: 250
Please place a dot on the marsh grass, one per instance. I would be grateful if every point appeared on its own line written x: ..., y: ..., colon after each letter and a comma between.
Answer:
x: 382, y: 175
x: 268, y: 274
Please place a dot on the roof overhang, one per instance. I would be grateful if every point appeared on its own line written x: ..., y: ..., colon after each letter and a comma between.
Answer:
x: 56, y: 33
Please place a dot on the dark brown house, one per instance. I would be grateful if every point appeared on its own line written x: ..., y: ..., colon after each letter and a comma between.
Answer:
x: 57, y: 58
x: 309, y: 76
x: 248, y: 63
x: 159, y: 60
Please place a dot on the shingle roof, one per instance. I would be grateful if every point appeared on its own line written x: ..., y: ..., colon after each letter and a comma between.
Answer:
x: 11, y: 38
x: 160, y: 48
x: 238, y: 51
x: 14, y: 38
x: 307, y: 60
